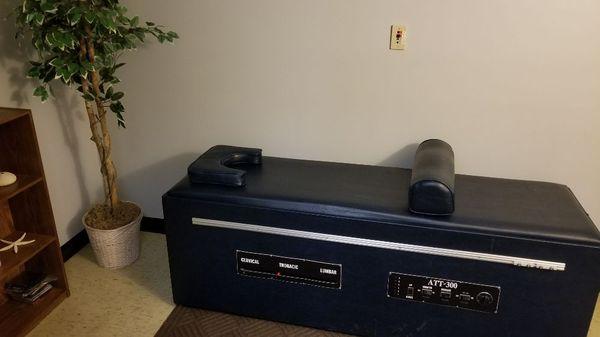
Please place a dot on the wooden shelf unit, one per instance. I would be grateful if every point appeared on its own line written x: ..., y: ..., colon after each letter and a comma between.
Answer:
x: 25, y: 208
x: 23, y: 183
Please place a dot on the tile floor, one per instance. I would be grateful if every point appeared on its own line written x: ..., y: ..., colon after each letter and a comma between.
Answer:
x: 133, y: 301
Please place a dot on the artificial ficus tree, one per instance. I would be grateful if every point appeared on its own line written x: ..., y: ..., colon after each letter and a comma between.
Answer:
x: 79, y: 43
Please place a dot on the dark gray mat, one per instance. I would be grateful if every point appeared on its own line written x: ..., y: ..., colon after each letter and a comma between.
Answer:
x: 191, y: 322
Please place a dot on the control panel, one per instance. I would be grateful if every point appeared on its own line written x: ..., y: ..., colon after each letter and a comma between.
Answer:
x: 289, y: 269
x: 444, y: 292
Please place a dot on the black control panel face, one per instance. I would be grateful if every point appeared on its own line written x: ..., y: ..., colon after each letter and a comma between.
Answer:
x: 444, y: 292
x: 289, y: 269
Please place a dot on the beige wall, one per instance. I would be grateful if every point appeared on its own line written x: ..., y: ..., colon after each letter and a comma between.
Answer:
x: 514, y: 86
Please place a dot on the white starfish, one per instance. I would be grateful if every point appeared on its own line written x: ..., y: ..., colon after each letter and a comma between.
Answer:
x: 15, y: 244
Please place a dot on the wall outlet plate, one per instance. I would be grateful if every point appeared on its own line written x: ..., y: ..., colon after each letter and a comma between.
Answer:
x: 397, y: 37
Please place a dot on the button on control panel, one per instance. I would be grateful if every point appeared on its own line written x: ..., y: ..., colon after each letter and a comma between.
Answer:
x: 453, y: 293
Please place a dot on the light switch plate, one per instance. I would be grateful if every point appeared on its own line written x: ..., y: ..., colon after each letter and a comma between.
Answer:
x: 397, y: 37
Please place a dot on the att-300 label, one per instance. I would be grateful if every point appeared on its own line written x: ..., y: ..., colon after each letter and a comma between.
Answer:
x: 282, y: 268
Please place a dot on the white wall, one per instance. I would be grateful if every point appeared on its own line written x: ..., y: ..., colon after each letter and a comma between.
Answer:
x: 514, y: 86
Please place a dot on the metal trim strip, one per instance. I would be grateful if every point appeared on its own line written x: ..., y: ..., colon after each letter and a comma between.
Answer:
x: 404, y: 247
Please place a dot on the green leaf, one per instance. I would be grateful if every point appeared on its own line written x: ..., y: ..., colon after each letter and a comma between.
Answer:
x: 39, y: 44
x: 64, y: 73
x: 57, y: 62
x: 90, y: 17
x: 39, y: 18
x: 173, y: 35
x: 72, y: 68
x: 131, y: 39
x: 117, y: 107
x: 55, y: 40
x: 48, y: 7
x: 109, y: 47
x: 50, y: 40
x: 134, y: 22
x: 121, y: 10
x: 119, y: 113
x: 98, y: 61
x: 74, y: 16
x: 105, y: 72
x: 107, y: 21
x: 109, y: 93
x: 41, y: 92
x: 66, y: 40
x: 88, y: 97
x: 34, y: 72
x: 87, y: 65
x: 140, y: 35
x: 58, y: 39
x: 149, y: 23
x: 30, y: 17
x: 117, y: 96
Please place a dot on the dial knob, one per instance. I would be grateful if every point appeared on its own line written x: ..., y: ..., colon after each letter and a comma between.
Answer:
x: 484, y: 298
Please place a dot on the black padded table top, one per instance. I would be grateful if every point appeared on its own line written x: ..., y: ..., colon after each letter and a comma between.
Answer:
x: 515, y: 208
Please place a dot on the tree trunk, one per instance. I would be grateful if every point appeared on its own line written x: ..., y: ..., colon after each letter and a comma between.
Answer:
x: 99, y: 126
x: 93, y: 119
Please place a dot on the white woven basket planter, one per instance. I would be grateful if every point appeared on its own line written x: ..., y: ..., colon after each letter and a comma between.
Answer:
x: 116, y: 248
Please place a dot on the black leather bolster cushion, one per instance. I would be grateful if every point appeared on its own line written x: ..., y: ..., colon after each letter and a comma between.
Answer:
x: 432, y: 182
x: 212, y: 167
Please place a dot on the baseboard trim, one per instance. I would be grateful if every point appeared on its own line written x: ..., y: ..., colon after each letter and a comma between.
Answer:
x: 74, y: 245
x: 153, y: 225
x: 80, y: 240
